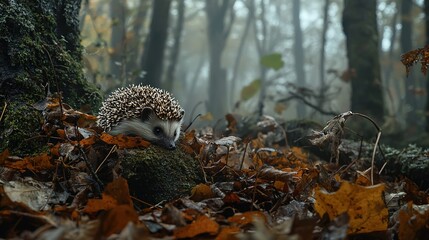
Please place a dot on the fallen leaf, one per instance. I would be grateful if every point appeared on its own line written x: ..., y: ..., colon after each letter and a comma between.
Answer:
x: 242, y: 219
x: 412, y: 220
x: 117, y: 218
x: 32, y: 163
x: 200, y: 192
x: 364, y: 205
x: 123, y: 141
x: 228, y: 233
x: 202, y: 224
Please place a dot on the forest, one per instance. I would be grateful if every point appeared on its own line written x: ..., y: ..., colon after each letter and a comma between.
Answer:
x: 214, y: 119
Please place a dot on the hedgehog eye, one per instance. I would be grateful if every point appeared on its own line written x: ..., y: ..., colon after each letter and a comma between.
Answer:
x: 157, y: 130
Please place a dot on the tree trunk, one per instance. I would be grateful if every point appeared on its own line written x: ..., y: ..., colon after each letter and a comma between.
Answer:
x: 153, y: 53
x: 133, y: 55
x: 323, y: 87
x: 298, y: 53
x: 217, y: 32
x: 39, y: 47
x: 406, y: 45
x: 426, y: 11
x: 117, y: 41
x: 360, y: 28
x: 238, y: 58
x: 175, y: 50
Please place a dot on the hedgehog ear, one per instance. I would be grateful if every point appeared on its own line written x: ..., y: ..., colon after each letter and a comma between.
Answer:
x: 146, y: 114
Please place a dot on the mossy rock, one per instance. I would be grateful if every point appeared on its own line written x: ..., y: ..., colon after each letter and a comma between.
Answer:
x: 155, y: 174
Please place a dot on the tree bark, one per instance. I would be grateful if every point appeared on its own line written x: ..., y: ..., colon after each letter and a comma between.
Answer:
x: 153, y: 53
x: 406, y: 45
x: 217, y: 33
x: 426, y: 11
x: 117, y: 41
x: 360, y: 28
x: 323, y: 87
x: 175, y: 50
x: 133, y: 57
x: 238, y: 57
x: 39, y: 48
x: 298, y: 53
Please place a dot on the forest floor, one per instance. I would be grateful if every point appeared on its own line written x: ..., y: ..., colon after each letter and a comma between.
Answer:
x: 256, y: 185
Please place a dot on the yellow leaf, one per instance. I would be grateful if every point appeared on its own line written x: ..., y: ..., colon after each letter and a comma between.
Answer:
x: 250, y: 90
x: 364, y: 205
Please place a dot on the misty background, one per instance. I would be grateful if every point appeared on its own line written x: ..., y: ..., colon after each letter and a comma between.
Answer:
x: 287, y: 59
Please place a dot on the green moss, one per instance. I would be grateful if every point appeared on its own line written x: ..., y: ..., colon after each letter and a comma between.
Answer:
x: 39, y: 50
x: 155, y: 174
x: 21, y: 125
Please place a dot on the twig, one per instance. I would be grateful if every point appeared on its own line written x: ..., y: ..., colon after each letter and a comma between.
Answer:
x: 376, y: 142
x: 244, y: 155
x: 373, y: 156
x: 322, y: 111
x: 192, y: 122
x: 3, y: 111
x: 110, y: 152
x: 91, y: 170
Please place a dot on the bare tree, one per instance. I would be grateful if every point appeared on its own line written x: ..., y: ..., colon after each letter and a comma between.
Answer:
x: 220, y: 17
x: 175, y: 50
x: 360, y: 28
x: 134, y: 50
x: 243, y: 39
x: 298, y: 51
x: 426, y: 11
x: 153, y: 52
x: 323, y: 87
x: 117, y: 40
x: 406, y: 45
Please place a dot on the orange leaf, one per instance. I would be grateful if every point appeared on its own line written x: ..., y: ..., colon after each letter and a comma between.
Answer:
x: 118, y: 189
x: 364, y: 205
x: 32, y: 163
x: 3, y: 156
x: 124, y: 141
x: 200, y: 192
x: 88, y: 141
x: 107, y: 202
x: 412, y: 219
x: 116, y: 193
x: 202, y: 224
x: 228, y: 233
x: 61, y: 133
x: 117, y: 218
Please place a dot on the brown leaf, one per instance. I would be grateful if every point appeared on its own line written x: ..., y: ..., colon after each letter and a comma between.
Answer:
x: 3, y: 156
x: 117, y: 218
x: 412, y: 220
x: 202, y: 224
x: 228, y: 232
x: 32, y: 163
x: 115, y: 193
x: 200, y: 192
x: 123, y: 141
x: 364, y: 205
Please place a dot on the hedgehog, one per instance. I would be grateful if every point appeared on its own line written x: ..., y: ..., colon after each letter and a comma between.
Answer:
x: 144, y: 111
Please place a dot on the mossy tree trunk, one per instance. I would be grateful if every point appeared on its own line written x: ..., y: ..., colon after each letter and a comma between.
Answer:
x: 360, y: 28
x: 39, y: 47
